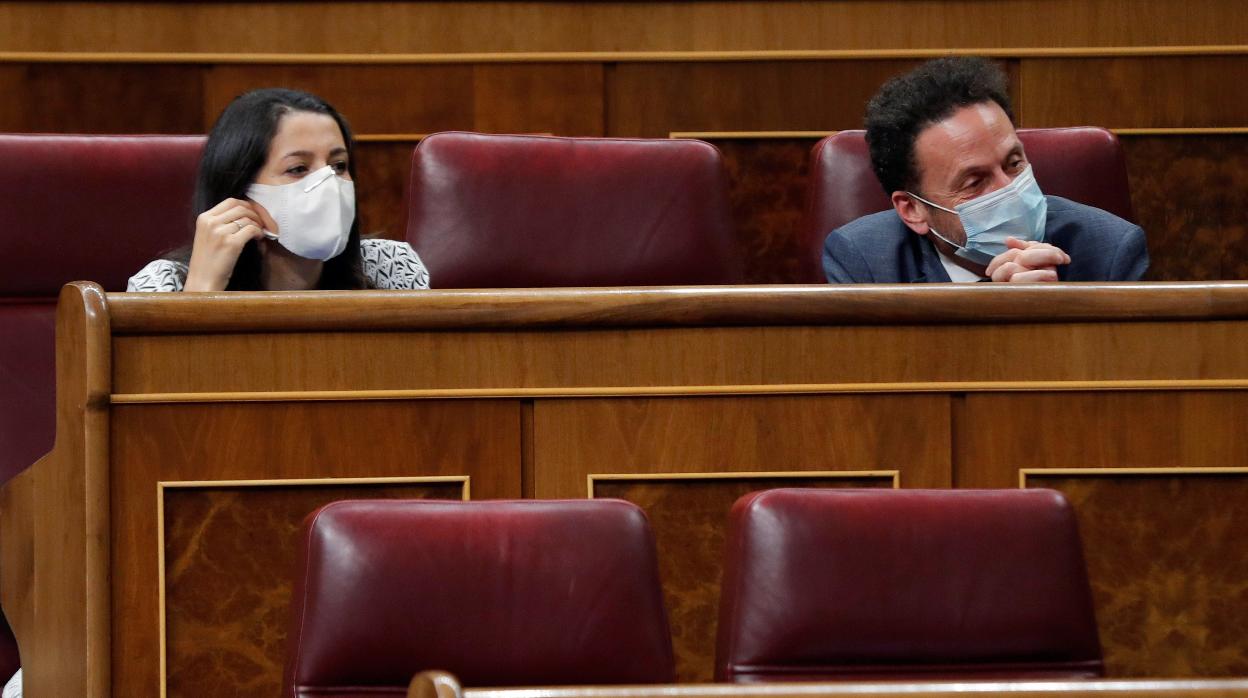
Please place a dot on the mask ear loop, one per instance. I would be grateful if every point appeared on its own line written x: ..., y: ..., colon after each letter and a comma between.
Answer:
x: 929, y: 225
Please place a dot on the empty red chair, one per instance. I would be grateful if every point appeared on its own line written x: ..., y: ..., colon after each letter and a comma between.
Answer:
x: 531, y: 211
x: 500, y: 593
x: 1083, y: 164
x: 905, y: 584
x: 93, y: 208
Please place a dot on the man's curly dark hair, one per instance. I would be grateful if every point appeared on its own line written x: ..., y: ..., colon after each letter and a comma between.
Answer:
x: 909, y: 103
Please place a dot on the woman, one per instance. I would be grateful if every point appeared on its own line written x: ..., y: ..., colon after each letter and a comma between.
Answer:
x: 275, y: 199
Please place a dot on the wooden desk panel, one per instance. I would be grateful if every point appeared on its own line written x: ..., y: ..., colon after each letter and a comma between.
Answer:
x: 265, y: 444
x: 535, y: 391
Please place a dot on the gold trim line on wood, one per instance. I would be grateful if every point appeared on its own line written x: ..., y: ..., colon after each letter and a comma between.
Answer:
x: 160, y: 586
x: 675, y: 391
x: 466, y: 480
x: 590, y: 478
x: 1201, y: 131
x: 390, y: 137
x: 163, y: 485
x: 611, y: 56
x: 705, y: 135
x: 763, y: 135
x: 1102, y: 472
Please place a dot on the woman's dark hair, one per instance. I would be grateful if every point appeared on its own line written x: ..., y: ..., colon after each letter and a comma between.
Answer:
x: 237, y: 148
x: 907, y: 104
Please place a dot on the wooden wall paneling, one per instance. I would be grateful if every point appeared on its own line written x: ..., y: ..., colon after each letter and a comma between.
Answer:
x: 1190, y: 194
x: 1168, y: 567
x: 374, y: 98
x: 717, y: 358
x: 382, y: 171
x: 689, y: 518
x: 1135, y: 92
x: 243, y: 539
x: 435, y: 27
x: 109, y: 98
x: 235, y: 441
x: 766, y: 433
x: 564, y: 99
x: 13, y: 110
x: 576, y: 439
x: 768, y: 179
x: 1147, y: 429
x: 655, y: 99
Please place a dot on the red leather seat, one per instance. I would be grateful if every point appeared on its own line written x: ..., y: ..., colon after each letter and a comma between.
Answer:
x: 1083, y: 164
x: 91, y: 208
x: 905, y: 584
x: 499, y: 593
x: 74, y: 207
x: 531, y: 211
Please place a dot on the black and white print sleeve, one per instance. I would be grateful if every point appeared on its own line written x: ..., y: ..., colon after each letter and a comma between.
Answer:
x: 390, y: 264
x: 158, y: 275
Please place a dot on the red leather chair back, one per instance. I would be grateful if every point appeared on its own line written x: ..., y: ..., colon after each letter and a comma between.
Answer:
x: 75, y: 208
x: 500, y: 593
x: 905, y: 584
x: 531, y: 211
x: 1083, y: 164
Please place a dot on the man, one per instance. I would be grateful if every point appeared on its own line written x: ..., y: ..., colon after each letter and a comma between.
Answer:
x: 965, y: 204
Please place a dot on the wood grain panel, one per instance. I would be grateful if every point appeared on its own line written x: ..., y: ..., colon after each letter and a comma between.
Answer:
x: 1146, y: 92
x: 689, y: 519
x: 1168, y: 567
x: 14, y: 110
x: 374, y: 99
x: 230, y: 561
x: 432, y: 27
x: 573, y: 438
x: 769, y: 178
x: 382, y: 171
x: 717, y: 356
x: 560, y: 99
x: 1190, y: 194
x: 226, y: 442
x: 1097, y: 430
x: 655, y: 99
x: 84, y: 98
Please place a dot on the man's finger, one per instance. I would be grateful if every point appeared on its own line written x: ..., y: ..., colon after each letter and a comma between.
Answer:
x: 1034, y: 276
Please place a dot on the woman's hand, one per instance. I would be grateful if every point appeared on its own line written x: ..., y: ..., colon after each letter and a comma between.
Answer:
x: 220, y: 234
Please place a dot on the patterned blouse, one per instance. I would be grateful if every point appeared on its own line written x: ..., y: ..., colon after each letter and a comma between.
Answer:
x: 388, y: 264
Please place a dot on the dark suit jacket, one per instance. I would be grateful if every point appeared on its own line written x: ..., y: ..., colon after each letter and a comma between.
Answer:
x: 880, y: 249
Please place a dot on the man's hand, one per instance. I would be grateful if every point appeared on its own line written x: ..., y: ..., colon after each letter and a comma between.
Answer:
x: 1027, y: 261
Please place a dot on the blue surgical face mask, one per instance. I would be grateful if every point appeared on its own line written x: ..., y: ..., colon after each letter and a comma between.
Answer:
x: 1017, y: 210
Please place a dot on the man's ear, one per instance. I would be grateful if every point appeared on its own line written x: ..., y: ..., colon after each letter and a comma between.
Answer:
x: 910, y: 211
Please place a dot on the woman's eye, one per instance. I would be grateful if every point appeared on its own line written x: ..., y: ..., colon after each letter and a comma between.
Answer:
x: 340, y: 167
x: 297, y: 170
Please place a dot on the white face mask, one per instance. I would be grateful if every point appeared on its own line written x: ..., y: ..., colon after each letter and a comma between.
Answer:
x: 1017, y: 210
x: 314, y: 215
